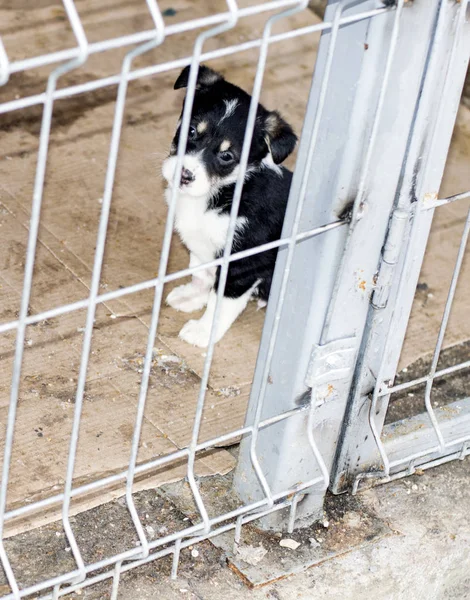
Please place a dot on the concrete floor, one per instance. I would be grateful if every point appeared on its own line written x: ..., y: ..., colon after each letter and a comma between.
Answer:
x: 427, y: 555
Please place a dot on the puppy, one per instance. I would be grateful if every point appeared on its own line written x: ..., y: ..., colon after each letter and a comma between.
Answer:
x: 205, y: 194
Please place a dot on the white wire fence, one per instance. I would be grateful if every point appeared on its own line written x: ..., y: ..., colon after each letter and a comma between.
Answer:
x: 366, y: 23
x: 385, y: 452
x: 452, y: 440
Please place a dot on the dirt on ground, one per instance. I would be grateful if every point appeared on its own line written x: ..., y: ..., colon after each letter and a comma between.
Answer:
x: 108, y: 530
x: 446, y: 389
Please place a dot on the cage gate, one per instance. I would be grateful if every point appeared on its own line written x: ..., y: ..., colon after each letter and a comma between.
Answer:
x: 375, y: 135
x: 368, y: 449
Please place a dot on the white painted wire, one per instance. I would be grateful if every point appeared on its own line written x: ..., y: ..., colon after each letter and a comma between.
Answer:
x: 76, y: 57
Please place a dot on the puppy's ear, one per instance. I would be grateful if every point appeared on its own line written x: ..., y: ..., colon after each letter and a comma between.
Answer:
x: 205, y: 78
x: 281, y: 137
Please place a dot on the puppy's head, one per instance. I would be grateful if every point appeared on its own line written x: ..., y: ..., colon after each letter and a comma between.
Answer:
x: 216, y: 132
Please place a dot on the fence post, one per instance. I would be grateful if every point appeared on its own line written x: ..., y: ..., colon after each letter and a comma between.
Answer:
x: 363, y: 135
x: 423, y: 167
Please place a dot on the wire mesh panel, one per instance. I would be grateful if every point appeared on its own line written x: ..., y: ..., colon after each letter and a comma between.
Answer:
x: 370, y: 450
x: 82, y: 381
x: 444, y: 432
x: 105, y: 400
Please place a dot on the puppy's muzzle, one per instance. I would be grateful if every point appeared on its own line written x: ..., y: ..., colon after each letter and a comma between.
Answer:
x: 186, y: 177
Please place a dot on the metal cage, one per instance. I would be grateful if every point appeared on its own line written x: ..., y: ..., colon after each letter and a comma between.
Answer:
x: 377, y: 127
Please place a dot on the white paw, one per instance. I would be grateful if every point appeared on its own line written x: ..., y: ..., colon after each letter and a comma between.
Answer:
x: 195, y: 333
x: 261, y: 304
x: 187, y: 298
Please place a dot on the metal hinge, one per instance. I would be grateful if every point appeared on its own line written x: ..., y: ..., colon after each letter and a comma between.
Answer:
x: 331, y: 361
x: 390, y: 256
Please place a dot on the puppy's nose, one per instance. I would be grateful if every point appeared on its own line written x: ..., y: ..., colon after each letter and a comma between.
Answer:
x: 186, y: 177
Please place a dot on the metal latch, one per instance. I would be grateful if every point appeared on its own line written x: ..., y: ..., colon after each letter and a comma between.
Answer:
x: 391, y: 254
x: 331, y: 361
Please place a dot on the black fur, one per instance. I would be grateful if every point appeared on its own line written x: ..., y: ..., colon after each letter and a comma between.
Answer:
x: 211, y: 92
x: 263, y: 203
x: 265, y: 191
x: 205, y: 78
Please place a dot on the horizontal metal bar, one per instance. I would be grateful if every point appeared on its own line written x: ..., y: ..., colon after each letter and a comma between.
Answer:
x: 410, y: 470
x: 444, y: 201
x: 144, y: 36
x: 414, y: 439
x: 385, y: 391
x: 413, y: 458
x: 148, y: 466
x: 176, y: 64
x: 151, y: 283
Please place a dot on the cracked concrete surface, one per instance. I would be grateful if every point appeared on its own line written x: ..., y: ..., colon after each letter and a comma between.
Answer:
x: 427, y: 557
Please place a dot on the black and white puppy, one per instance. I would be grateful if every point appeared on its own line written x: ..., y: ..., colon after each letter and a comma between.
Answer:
x: 205, y: 193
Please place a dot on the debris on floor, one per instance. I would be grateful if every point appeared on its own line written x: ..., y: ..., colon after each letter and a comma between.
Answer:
x: 252, y: 555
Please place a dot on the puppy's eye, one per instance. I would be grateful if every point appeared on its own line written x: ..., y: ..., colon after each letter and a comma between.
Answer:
x: 226, y: 157
x: 192, y: 133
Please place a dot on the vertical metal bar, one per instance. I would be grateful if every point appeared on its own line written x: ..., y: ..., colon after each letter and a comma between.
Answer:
x: 423, y: 165
x: 4, y: 64
x: 176, y: 558
x: 95, y: 281
x: 256, y: 92
x: 411, y: 467
x: 191, y: 88
x: 377, y: 415
x: 38, y: 191
x: 120, y: 105
x: 303, y: 190
x: 210, y: 350
x: 293, y: 512
x: 345, y: 132
x: 442, y: 330
x: 464, y: 451
x: 283, y: 286
x: 237, y: 533
x: 116, y: 580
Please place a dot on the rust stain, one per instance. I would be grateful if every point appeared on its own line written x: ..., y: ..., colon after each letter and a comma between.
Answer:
x: 237, y: 571
x: 430, y: 197
x: 362, y: 285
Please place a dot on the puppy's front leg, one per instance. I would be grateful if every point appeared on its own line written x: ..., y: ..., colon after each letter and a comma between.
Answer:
x: 197, y: 332
x: 193, y: 296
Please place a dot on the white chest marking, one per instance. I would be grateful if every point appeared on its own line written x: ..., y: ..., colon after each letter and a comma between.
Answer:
x: 202, y: 231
